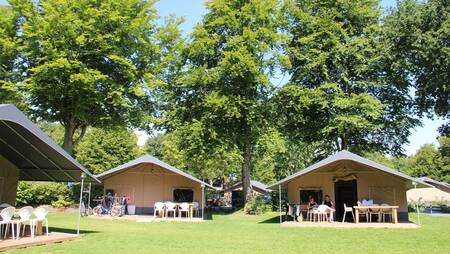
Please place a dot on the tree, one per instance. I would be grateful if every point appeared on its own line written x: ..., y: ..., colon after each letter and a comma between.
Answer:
x: 220, y: 100
x: 192, y: 156
x: 335, y: 51
x: 102, y: 149
x: 90, y: 63
x: 417, y: 38
x: 444, y: 150
x: 426, y: 162
x: 9, y: 89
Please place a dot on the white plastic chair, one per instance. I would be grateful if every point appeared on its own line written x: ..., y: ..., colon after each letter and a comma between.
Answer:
x: 7, y: 215
x: 41, y: 216
x: 322, y: 213
x: 4, y: 205
x: 386, y: 211
x: 348, y: 210
x: 195, y: 208
x: 159, y: 209
x: 25, y: 218
x: 184, y: 207
x: 171, y: 207
x: 375, y: 211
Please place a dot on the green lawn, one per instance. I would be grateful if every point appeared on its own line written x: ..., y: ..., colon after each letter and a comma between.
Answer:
x: 237, y: 233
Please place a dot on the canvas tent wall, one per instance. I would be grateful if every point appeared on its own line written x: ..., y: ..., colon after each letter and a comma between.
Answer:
x: 358, y: 177
x: 233, y: 195
x: 148, y: 180
x: 27, y: 153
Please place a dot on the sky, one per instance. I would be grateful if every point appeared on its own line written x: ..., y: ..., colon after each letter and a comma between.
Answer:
x: 193, y: 10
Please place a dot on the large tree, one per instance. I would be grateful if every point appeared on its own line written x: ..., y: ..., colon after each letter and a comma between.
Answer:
x: 220, y: 101
x: 103, y: 149
x: 417, y: 39
x: 9, y: 52
x: 339, y: 92
x: 89, y: 63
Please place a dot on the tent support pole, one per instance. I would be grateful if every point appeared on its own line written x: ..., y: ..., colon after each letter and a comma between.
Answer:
x: 417, y: 205
x: 79, y: 205
x: 279, y: 199
x: 203, y: 202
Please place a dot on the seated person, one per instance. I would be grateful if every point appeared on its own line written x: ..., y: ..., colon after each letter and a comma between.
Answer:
x: 330, y: 205
x: 311, y: 203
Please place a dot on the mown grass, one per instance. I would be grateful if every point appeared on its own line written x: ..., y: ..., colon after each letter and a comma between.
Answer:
x: 237, y: 233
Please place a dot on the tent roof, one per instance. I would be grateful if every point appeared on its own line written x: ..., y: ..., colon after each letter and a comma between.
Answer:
x: 37, y: 156
x: 439, y: 185
x: 255, y: 184
x: 347, y: 156
x: 147, y: 159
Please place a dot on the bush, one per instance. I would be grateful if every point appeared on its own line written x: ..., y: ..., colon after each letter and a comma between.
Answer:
x: 258, y: 204
x: 43, y: 193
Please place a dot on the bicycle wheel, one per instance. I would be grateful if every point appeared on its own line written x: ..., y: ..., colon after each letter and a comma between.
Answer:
x: 97, y: 210
x: 115, y: 211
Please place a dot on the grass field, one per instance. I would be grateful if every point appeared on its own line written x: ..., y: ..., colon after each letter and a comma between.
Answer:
x: 237, y: 233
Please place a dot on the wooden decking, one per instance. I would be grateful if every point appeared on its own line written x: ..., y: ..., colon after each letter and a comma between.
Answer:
x: 148, y: 218
x: 308, y: 224
x: 23, y: 242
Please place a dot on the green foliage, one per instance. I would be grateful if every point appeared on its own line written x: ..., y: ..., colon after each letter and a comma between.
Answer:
x: 103, y: 149
x: 427, y: 161
x: 343, y: 97
x: 10, y: 91
x: 42, y: 193
x: 91, y: 63
x: 416, y: 39
x: 219, y: 101
x: 257, y: 205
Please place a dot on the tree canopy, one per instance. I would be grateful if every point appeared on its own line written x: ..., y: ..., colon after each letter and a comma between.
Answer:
x: 89, y: 63
x: 338, y: 90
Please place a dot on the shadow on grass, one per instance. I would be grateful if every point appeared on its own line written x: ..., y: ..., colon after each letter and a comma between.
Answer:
x: 70, y: 230
x: 273, y: 220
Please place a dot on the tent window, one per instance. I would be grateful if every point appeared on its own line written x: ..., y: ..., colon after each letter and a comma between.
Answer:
x: 306, y: 193
x: 183, y: 195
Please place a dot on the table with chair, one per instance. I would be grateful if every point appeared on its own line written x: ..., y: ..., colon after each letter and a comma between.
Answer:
x: 371, y: 210
x: 171, y: 209
x: 15, y: 221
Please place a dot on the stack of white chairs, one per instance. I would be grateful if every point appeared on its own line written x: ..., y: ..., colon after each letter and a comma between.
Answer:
x: 7, y: 215
x: 25, y: 214
x: 159, y: 209
x: 184, y: 208
x: 322, y: 213
x: 171, y: 207
x: 41, y: 217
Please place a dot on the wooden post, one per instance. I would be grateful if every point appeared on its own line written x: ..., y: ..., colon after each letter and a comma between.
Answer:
x: 394, y: 215
x: 279, y: 198
x: 203, y: 202
x: 357, y: 216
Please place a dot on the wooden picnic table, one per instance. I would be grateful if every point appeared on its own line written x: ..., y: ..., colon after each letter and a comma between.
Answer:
x: 393, y: 207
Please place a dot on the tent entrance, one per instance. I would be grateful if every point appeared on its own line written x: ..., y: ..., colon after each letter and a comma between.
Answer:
x: 345, y: 192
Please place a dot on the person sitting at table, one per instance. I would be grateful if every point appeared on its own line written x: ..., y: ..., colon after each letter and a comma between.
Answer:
x: 310, y: 206
x: 311, y: 203
x: 330, y: 205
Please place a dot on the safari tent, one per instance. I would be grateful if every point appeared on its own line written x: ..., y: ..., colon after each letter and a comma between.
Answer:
x: 233, y: 195
x: 348, y: 178
x: 147, y: 180
x: 27, y: 153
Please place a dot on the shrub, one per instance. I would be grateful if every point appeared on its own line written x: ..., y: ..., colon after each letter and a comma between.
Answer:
x: 257, y: 204
x: 42, y: 193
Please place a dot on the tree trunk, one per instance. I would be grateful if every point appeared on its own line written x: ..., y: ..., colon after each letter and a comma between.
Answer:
x: 70, y: 142
x: 246, y: 172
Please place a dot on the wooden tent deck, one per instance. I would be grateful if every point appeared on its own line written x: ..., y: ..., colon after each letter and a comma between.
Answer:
x: 54, y: 237
x: 148, y: 218
x: 309, y: 224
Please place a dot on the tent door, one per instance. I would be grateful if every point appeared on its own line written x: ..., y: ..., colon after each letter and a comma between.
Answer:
x: 345, y: 192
